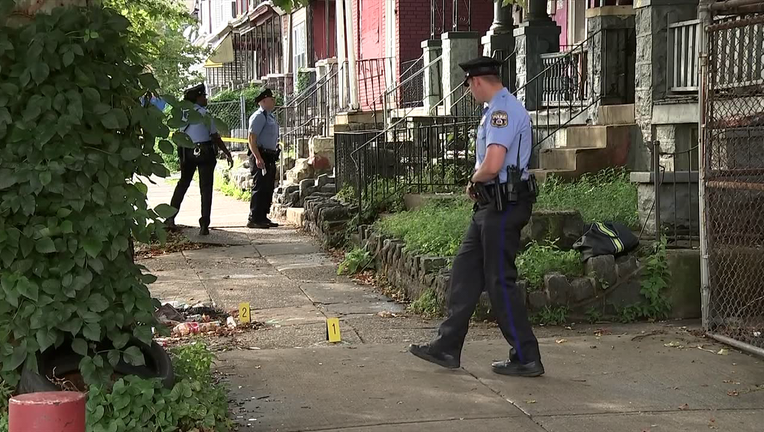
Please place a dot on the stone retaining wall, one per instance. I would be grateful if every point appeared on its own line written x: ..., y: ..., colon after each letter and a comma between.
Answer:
x: 609, y: 283
x: 327, y: 219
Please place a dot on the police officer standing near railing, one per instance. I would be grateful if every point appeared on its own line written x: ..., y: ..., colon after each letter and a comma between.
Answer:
x: 504, y: 192
x: 203, y: 156
x: 263, y: 155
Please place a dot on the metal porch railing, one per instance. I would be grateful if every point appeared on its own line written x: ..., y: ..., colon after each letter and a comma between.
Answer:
x: 683, y: 49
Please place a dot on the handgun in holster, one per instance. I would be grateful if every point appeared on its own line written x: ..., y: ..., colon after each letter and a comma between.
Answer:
x: 533, y: 187
x: 481, y: 194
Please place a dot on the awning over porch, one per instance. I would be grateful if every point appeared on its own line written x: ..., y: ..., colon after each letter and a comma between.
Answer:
x: 222, y: 49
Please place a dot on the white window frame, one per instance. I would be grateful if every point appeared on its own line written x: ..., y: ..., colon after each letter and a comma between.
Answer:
x: 300, y: 47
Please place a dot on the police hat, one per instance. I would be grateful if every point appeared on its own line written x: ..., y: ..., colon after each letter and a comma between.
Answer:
x: 267, y: 93
x: 194, y: 92
x: 480, y: 66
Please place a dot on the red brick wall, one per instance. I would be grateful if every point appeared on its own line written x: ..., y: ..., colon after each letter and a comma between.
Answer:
x: 414, y: 23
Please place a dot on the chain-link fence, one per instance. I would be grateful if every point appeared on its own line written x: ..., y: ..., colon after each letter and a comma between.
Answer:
x: 234, y: 115
x: 733, y: 181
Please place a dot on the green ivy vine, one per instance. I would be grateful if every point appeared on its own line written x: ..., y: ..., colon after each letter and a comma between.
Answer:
x: 76, y: 146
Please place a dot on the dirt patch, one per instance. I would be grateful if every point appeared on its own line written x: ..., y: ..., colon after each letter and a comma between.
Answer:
x: 176, y: 242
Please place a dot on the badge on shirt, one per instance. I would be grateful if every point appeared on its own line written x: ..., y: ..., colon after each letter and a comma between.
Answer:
x: 499, y: 119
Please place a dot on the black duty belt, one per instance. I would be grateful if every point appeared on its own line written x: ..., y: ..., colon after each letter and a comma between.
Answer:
x: 269, y: 152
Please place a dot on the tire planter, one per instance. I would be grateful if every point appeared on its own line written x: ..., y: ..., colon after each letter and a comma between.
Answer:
x: 64, y: 361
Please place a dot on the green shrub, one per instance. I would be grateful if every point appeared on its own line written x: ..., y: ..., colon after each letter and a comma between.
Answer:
x: 604, y: 196
x: 539, y: 259
x: 196, y: 402
x: 428, y: 304
x: 435, y: 229
x: 74, y: 144
x: 355, y: 260
x: 656, y: 277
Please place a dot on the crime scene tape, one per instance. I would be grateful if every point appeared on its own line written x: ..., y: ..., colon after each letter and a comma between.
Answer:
x: 236, y: 140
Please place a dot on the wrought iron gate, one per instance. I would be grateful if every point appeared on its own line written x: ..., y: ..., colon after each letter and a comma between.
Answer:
x: 732, y: 103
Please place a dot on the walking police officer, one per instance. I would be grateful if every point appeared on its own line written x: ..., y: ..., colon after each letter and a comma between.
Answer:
x: 504, y: 192
x: 263, y: 155
x: 203, y: 156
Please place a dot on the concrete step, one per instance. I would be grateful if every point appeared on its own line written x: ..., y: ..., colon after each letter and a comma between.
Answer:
x: 594, y: 136
x: 543, y: 174
x: 615, y: 114
x: 580, y: 160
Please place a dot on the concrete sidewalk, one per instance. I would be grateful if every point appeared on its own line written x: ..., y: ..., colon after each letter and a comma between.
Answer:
x: 610, y: 383
x: 285, y: 376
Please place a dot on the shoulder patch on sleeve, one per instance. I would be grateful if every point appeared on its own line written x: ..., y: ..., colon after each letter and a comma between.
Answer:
x: 499, y: 119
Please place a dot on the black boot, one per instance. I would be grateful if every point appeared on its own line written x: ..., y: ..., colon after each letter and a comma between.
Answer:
x: 426, y: 352
x: 204, y: 230
x: 515, y: 368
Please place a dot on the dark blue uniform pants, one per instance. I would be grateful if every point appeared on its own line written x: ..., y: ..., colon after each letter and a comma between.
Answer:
x: 188, y: 165
x: 262, y: 187
x: 486, y: 261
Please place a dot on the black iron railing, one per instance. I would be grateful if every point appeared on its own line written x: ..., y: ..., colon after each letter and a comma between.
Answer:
x: 416, y: 154
x: 372, y: 81
x: 411, y: 92
x: 566, y: 79
x: 308, y: 115
x: 460, y: 103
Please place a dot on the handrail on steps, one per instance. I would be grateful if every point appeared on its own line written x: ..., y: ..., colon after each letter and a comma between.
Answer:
x: 434, y: 108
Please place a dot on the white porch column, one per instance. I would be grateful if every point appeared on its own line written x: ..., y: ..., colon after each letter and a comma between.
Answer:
x: 341, y: 40
x: 352, y: 67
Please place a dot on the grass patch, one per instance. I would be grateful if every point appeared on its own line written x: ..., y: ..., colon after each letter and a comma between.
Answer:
x: 437, y: 229
x: 427, y: 305
x: 539, y: 259
x: 226, y: 186
x: 604, y: 196
x: 551, y: 316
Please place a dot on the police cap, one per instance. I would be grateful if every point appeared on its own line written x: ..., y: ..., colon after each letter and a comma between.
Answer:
x: 480, y: 66
x: 194, y: 92
x: 266, y: 93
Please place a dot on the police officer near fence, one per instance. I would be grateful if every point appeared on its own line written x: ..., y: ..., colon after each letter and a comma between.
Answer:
x: 203, y: 156
x: 263, y: 155
x: 503, y: 191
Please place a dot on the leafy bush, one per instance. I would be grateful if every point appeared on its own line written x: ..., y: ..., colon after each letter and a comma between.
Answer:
x: 655, y: 279
x: 539, y: 259
x: 355, y: 261
x: 170, y: 160
x: 428, y: 304
x: 435, y: 229
x: 604, y: 196
x: 73, y: 140
x: 196, y: 402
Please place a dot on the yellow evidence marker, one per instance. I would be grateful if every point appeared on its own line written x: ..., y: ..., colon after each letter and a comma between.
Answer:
x: 245, y: 313
x: 333, y: 330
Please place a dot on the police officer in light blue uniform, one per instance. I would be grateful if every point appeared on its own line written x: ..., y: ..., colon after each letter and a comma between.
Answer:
x: 263, y: 155
x: 203, y: 156
x: 504, y: 192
